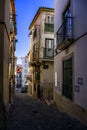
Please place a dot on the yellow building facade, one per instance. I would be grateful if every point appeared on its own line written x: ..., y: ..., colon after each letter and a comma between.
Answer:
x: 41, y: 60
x: 7, y: 10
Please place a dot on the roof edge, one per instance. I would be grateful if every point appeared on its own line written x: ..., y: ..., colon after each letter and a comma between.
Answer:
x: 38, y: 12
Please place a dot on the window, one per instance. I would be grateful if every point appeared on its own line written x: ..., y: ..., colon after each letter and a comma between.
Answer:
x: 35, y: 33
x: 50, y: 19
x: 49, y: 27
x: 67, y: 13
x: 49, y: 47
x: 25, y: 71
x: 37, y: 75
x: 45, y: 66
x: 49, y: 43
x: 49, y: 24
x: 25, y: 65
x: 25, y: 60
x: 67, y: 30
x: 34, y: 50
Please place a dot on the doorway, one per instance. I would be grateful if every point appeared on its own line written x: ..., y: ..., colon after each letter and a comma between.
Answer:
x: 67, y: 78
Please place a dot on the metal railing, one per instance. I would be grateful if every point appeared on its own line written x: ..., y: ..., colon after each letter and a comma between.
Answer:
x: 48, y: 52
x: 35, y: 55
x: 65, y: 31
x: 36, y: 33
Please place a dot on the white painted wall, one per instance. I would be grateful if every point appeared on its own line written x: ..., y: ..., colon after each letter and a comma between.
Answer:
x: 24, y: 69
x: 79, y: 49
x: 79, y: 9
x: 80, y: 68
x: 60, y: 6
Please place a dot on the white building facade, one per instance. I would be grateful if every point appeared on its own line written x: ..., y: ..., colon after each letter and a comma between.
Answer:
x: 70, y: 60
x: 25, y: 73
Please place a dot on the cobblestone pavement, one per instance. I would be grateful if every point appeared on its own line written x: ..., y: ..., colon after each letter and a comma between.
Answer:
x: 31, y: 114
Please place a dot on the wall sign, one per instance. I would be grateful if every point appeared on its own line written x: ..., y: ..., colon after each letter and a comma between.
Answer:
x: 80, y: 81
x: 55, y: 78
x: 77, y: 88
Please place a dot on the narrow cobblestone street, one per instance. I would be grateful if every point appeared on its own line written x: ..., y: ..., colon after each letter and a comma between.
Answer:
x: 31, y: 114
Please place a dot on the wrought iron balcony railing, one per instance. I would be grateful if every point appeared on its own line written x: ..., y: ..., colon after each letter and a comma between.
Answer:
x: 36, y: 33
x: 64, y: 35
x: 48, y: 52
x: 35, y: 55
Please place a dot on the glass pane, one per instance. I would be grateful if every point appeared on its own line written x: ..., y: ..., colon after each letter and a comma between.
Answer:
x: 49, y: 44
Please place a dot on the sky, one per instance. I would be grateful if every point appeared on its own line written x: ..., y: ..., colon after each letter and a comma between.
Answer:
x: 25, y: 12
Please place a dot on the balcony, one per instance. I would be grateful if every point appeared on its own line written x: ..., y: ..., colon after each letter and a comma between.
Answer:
x: 14, y: 46
x: 35, y: 55
x: 48, y: 53
x: 36, y: 33
x: 64, y: 35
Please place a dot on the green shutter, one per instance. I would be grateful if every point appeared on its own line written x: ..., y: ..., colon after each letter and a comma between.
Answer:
x: 67, y: 78
x: 49, y: 27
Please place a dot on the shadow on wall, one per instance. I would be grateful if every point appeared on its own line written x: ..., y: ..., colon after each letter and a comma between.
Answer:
x: 2, y: 116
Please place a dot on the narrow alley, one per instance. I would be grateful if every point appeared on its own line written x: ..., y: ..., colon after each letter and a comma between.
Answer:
x: 33, y: 114
x: 43, y: 53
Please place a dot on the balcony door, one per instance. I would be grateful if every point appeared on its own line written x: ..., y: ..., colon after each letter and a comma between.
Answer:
x: 67, y: 30
x: 49, y: 46
x: 49, y: 24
